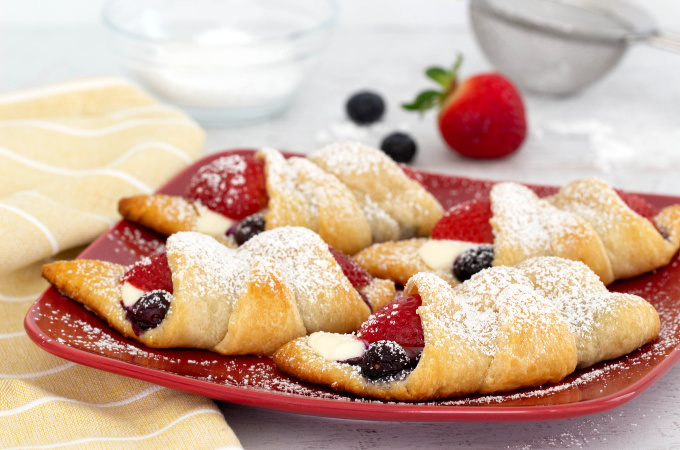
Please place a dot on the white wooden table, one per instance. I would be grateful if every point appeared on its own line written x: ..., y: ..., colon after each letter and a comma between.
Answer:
x: 625, y: 129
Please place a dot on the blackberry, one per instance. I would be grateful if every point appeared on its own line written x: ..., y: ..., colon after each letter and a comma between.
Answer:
x: 384, y: 358
x: 249, y: 227
x: 149, y: 311
x: 365, y: 108
x: 400, y: 147
x: 472, y: 260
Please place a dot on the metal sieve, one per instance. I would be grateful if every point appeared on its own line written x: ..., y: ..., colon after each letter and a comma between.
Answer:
x: 559, y: 47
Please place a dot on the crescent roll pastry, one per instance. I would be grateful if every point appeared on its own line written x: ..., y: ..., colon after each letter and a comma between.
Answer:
x: 400, y: 260
x: 633, y: 244
x: 279, y: 285
x: 525, y: 226
x: 348, y: 213
x: 169, y: 214
x: 396, y: 206
x: 503, y: 329
x: 302, y: 194
x: 586, y: 220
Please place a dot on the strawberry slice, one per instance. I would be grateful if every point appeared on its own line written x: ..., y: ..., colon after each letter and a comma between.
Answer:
x: 234, y: 186
x: 353, y: 271
x: 150, y: 274
x: 638, y: 204
x: 468, y: 221
x: 397, y: 321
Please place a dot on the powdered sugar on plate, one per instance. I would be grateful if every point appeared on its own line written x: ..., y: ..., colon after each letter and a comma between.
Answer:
x: 299, y: 253
x: 525, y: 225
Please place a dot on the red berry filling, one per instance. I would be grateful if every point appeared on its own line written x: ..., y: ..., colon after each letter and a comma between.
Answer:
x: 397, y: 321
x: 234, y: 186
x: 150, y: 274
x: 353, y: 271
x: 468, y: 221
x: 394, y: 334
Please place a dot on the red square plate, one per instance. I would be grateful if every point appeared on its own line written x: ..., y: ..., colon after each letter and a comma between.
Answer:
x: 64, y: 328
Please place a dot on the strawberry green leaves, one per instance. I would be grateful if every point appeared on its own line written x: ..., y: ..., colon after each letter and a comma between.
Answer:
x: 424, y: 101
x: 446, y: 78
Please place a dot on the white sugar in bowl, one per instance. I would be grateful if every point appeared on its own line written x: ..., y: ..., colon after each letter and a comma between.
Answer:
x: 223, y: 61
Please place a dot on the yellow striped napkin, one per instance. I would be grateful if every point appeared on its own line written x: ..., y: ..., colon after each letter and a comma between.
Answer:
x: 68, y: 152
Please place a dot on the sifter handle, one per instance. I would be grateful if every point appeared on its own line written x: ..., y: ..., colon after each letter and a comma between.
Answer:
x: 665, y: 40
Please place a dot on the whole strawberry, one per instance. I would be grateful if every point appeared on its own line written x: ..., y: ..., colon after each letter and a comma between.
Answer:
x: 481, y: 117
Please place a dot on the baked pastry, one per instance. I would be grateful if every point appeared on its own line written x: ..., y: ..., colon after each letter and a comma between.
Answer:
x: 503, y: 329
x: 170, y: 214
x: 314, y: 192
x: 400, y: 260
x: 396, y: 206
x: 302, y: 194
x: 586, y: 220
x: 280, y: 285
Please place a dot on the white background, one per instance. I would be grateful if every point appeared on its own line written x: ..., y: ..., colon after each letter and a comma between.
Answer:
x: 355, y: 12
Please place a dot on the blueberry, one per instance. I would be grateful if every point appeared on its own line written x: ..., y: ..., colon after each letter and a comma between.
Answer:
x: 249, y: 227
x: 473, y: 260
x: 400, y: 147
x: 149, y: 311
x: 384, y: 358
x: 365, y: 108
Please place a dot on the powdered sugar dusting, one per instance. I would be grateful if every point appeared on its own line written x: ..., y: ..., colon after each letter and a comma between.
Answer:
x: 298, y: 252
x: 381, y: 188
x: 350, y: 158
x: 572, y: 288
x: 211, y: 266
x: 225, y: 175
x: 523, y: 298
x: 305, y: 261
x: 524, y: 224
x: 260, y: 375
x: 134, y: 242
x: 72, y: 326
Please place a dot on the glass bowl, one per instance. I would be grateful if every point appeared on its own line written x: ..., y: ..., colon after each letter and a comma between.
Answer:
x: 222, y: 61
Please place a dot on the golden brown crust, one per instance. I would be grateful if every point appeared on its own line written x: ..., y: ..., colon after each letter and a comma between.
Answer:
x: 506, y: 328
x: 95, y: 284
x: 166, y: 214
x: 301, y: 194
x: 632, y: 243
x: 382, y: 188
x: 265, y: 317
x: 348, y: 211
x: 394, y: 260
x: 280, y: 285
x: 400, y: 260
x: 527, y: 226
x: 668, y: 222
x: 378, y: 293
